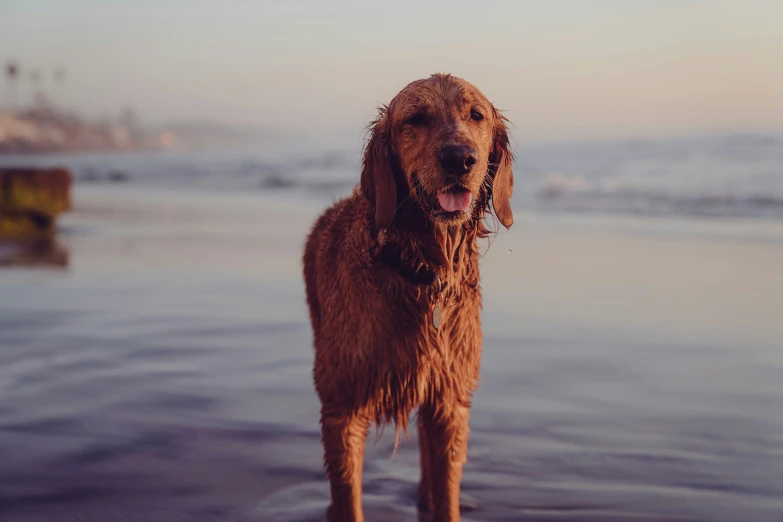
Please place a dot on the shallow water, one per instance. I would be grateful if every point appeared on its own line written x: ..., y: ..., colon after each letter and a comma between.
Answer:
x: 631, y: 372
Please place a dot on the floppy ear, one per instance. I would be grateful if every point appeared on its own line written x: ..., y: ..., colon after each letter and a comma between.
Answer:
x: 377, y: 182
x: 503, y: 180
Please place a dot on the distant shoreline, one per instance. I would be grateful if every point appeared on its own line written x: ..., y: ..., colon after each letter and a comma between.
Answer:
x: 46, y: 130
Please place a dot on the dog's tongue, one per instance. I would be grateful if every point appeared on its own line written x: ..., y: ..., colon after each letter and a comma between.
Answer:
x: 457, y: 201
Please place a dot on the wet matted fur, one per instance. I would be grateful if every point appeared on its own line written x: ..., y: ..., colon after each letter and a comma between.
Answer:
x: 377, y: 263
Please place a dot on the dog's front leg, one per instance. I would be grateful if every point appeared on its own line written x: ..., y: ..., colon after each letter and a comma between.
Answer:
x: 425, y: 481
x: 343, y: 440
x: 446, y: 434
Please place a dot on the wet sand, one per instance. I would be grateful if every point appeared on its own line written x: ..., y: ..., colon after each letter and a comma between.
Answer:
x: 631, y: 371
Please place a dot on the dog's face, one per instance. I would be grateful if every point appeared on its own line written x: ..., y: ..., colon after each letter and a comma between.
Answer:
x: 442, y: 136
x: 448, y: 143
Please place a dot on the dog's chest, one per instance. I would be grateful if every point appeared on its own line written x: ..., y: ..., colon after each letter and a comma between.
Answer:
x: 423, y: 361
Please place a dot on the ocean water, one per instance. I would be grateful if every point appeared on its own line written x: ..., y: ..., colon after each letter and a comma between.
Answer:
x: 709, y: 176
x: 155, y: 361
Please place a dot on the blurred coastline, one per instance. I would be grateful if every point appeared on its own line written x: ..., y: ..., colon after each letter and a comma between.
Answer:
x: 45, y: 130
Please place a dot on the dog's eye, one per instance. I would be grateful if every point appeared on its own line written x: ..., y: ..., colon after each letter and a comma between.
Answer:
x: 476, y: 115
x: 417, y: 120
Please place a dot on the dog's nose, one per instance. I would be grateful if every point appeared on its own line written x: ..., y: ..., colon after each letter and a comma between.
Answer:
x: 457, y: 160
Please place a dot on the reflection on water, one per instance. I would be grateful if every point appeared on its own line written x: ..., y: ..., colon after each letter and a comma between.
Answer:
x: 41, y: 253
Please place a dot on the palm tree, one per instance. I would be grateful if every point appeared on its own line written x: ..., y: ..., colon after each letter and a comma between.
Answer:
x: 59, y: 80
x: 12, y: 73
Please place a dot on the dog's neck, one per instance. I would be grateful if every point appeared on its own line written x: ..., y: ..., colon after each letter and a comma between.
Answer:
x: 391, y: 255
x: 426, y: 252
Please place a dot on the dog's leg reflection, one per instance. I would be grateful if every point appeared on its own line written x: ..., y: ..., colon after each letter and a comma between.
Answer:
x: 446, y: 438
x: 344, y: 440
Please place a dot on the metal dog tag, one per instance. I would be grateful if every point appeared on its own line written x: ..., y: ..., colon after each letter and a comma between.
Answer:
x: 437, y: 315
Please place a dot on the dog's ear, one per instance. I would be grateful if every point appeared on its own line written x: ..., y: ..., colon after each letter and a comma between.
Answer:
x: 377, y: 182
x: 500, y: 161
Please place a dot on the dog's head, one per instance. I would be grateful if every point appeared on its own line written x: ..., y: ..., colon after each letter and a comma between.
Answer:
x: 442, y: 143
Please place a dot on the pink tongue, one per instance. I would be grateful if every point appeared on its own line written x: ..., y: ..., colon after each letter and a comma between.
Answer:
x: 455, y: 201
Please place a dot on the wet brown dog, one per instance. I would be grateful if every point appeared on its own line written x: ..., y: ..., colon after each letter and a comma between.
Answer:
x: 392, y: 282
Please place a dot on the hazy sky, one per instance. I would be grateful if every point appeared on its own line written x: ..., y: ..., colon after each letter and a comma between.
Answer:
x: 562, y: 69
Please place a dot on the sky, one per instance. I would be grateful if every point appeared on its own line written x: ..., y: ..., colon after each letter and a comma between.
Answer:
x: 562, y: 70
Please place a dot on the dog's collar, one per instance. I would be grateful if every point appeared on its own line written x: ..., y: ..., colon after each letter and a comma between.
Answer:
x: 391, y: 256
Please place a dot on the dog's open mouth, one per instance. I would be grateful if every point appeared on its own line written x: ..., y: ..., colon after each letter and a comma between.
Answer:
x: 453, y: 202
